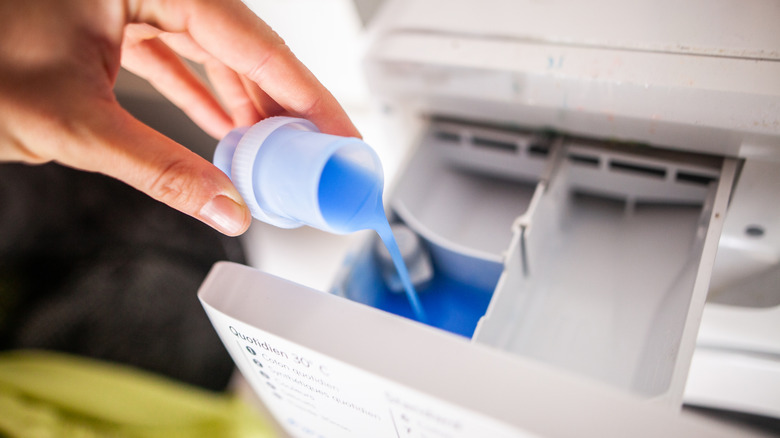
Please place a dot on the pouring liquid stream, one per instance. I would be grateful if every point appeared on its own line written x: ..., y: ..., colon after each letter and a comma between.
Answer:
x: 350, y: 199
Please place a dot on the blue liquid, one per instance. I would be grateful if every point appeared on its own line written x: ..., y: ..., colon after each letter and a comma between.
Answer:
x: 449, y: 303
x: 386, y: 234
x: 350, y: 199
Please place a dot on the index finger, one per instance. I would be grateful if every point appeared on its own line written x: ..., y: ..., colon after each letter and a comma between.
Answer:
x: 232, y: 33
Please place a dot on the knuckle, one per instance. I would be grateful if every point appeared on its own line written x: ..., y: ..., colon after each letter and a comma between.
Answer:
x: 311, y: 106
x: 176, y: 186
x: 275, y: 51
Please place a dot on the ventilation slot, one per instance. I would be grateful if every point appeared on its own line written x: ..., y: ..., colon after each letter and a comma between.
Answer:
x: 506, y: 146
x: 538, y: 150
x: 637, y: 168
x: 448, y: 137
x: 693, y: 178
x: 586, y: 160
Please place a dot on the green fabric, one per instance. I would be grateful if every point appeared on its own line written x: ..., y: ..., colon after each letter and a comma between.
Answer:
x: 44, y: 394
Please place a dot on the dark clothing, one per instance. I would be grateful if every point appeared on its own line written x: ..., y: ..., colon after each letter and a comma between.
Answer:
x: 90, y: 266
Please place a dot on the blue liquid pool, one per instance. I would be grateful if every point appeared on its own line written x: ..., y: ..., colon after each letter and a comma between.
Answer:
x: 449, y: 304
x: 350, y: 199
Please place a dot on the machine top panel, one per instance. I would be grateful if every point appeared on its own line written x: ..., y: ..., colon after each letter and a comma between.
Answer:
x: 723, y: 28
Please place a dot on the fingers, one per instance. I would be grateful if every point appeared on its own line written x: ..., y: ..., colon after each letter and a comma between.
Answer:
x: 230, y: 32
x: 122, y: 147
x: 245, y: 101
x: 150, y: 58
x: 262, y: 100
x: 229, y: 86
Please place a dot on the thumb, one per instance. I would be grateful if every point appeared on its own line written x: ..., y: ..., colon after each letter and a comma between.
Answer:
x: 124, y: 148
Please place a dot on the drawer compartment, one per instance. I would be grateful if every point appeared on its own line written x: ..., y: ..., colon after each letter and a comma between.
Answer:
x: 590, y: 257
x: 608, y: 275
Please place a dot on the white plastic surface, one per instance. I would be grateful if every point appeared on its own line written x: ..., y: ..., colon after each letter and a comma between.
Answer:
x: 737, y: 361
x: 608, y: 279
x: 397, y: 378
x: 699, y: 76
x: 747, y: 269
x: 465, y: 217
x: 734, y: 380
x: 719, y: 28
x: 751, y: 330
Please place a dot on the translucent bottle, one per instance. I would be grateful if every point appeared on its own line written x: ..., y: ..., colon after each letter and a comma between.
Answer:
x: 290, y: 174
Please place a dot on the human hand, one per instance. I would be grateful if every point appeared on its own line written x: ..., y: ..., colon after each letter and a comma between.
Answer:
x: 58, y: 65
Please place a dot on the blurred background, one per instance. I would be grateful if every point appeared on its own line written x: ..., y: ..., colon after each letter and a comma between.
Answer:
x: 138, y: 264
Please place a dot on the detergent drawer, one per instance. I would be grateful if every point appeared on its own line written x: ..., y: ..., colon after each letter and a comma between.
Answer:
x: 595, y: 255
x: 608, y: 274
x: 583, y: 264
x: 329, y: 367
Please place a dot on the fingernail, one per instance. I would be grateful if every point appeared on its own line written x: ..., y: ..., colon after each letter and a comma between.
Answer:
x: 226, y: 215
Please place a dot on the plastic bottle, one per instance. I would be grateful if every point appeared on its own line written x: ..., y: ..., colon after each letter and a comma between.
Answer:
x: 290, y: 174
